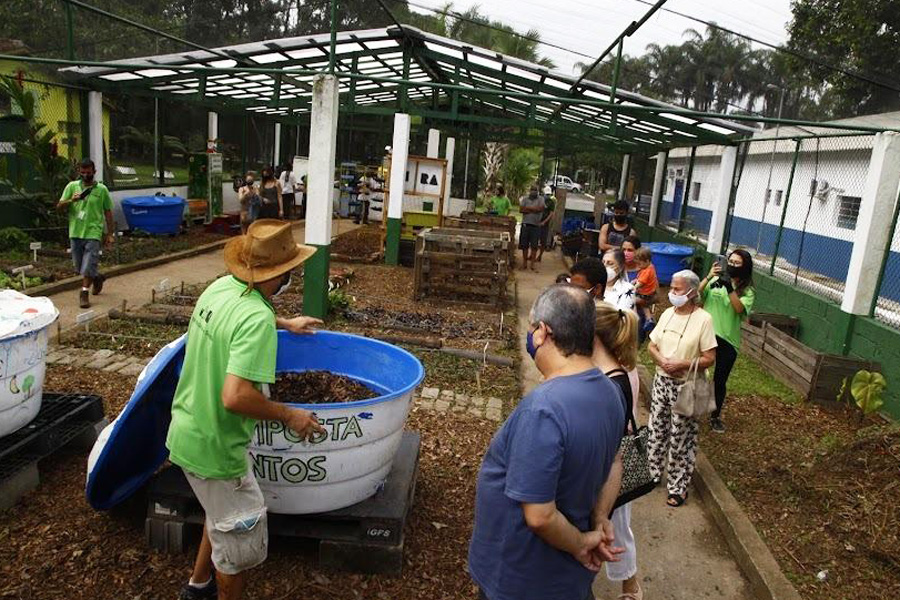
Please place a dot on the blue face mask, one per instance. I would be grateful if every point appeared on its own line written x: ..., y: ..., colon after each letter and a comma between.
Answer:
x: 529, y: 345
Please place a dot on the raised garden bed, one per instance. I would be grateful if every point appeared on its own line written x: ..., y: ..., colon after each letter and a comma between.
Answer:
x: 816, y: 376
x: 482, y: 222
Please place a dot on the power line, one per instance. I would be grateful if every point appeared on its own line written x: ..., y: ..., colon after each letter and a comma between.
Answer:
x: 856, y: 74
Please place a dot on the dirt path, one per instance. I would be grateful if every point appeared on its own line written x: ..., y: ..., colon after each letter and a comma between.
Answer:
x: 135, y: 287
x: 681, y: 555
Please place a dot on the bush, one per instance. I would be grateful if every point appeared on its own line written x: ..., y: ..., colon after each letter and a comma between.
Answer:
x: 13, y: 239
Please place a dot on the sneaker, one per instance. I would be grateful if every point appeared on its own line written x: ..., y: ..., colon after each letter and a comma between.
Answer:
x: 84, y: 299
x: 190, y: 592
x: 716, y: 424
x: 98, y: 283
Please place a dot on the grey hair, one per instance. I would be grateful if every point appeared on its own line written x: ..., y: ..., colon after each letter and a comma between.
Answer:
x: 692, y: 280
x: 569, y: 313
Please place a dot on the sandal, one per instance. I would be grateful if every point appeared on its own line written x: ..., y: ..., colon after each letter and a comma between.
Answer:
x: 674, y: 500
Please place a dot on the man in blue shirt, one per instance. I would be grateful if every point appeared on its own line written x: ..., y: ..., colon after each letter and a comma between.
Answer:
x: 552, y: 472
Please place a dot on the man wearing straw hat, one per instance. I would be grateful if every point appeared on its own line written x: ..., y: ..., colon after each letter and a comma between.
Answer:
x: 222, y: 392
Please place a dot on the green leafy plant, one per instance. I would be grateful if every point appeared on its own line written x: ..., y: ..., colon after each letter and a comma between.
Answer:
x: 13, y: 239
x: 339, y: 301
x: 867, y: 388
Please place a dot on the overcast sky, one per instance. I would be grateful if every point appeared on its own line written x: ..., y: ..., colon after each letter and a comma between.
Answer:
x: 589, y: 26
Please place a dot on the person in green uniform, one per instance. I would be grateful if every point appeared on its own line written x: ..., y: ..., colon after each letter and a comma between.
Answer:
x: 500, y: 203
x: 89, y: 205
x: 222, y: 392
x: 728, y: 297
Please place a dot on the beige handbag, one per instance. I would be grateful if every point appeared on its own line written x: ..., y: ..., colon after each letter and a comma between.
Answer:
x: 697, y: 396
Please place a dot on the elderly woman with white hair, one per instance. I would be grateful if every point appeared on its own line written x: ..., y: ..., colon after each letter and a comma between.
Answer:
x: 684, y: 334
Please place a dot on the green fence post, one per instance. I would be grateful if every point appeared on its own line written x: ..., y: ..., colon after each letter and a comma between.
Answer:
x: 686, y: 194
x: 787, y: 198
x: 884, y: 260
x: 244, y: 118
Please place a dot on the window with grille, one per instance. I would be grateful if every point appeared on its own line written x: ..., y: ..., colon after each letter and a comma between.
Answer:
x: 848, y: 211
x: 778, y: 194
x: 695, y: 191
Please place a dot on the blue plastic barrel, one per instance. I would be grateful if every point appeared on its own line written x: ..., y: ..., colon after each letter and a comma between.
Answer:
x: 156, y: 215
x: 668, y: 259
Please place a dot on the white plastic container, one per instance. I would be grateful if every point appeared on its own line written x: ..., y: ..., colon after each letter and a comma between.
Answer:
x: 350, y: 462
x: 24, y: 323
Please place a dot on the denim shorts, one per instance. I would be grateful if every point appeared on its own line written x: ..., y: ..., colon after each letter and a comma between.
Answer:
x: 85, y: 256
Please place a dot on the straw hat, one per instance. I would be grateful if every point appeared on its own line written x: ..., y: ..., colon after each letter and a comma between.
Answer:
x: 265, y: 252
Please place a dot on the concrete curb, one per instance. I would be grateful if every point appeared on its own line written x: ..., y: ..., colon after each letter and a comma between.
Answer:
x: 74, y: 282
x: 754, y: 558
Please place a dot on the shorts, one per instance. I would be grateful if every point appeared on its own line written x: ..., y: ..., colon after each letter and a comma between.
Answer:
x: 86, y: 256
x: 268, y: 210
x: 648, y: 298
x: 236, y: 521
x: 545, y: 235
x: 529, y: 236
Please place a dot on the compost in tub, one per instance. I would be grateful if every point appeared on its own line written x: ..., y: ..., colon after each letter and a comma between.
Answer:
x: 345, y: 465
x: 24, y: 323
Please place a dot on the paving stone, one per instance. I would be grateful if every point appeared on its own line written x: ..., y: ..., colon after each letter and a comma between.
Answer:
x: 448, y: 396
x: 477, y: 401
x: 441, y: 405
x: 105, y: 353
x: 493, y: 414
x: 496, y: 403
x: 99, y: 363
x: 54, y: 357
x: 430, y: 393
x: 462, y: 399
x: 425, y: 404
x: 132, y: 369
x: 112, y: 367
x: 457, y: 408
x: 66, y: 359
x: 477, y: 412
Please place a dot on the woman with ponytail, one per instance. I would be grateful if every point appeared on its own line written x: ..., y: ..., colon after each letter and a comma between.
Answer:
x: 615, y: 353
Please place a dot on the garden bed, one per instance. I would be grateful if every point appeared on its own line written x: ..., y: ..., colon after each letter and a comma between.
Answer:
x: 53, y: 545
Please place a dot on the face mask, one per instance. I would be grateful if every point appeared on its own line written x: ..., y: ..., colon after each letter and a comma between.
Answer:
x: 285, y: 284
x: 620, y: 219
x: 677, y: 300
x: 611, y: 274
x: 89, y: 178
x: 629, y: 255
x: 248, y: 182
x: 529, y: 345
x: 735, y: 271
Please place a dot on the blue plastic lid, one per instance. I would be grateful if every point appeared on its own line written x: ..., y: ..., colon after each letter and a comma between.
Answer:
x: 670, y: 249
x: 154, y: 201
x: 133, y: 447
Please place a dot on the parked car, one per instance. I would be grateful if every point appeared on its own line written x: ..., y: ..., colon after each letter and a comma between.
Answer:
x: 566, y: 183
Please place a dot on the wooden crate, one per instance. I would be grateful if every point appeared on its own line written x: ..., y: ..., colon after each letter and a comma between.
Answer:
x: 815, y: 376
x: 459, y: 265
x: 787, y: 324
x: 482, y: 222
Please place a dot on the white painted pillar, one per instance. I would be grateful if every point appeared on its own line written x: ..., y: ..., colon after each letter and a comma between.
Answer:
x: 95, y: 128
x: 659, y: 179
x: 449, y: 152
x: 399, y: 158
x: 322, y: 145
x: 434, y: 143
x: 716, y: 238
x: 212, y: 126
x: 277, y: 157
x: 626, y: 162
x: 873, y: 225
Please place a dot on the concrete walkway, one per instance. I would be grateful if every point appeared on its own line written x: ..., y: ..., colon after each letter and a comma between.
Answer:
x: 681, y: 554
x: 135, y: 288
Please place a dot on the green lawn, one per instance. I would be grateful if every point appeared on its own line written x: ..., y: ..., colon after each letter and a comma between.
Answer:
x: 144, y: 175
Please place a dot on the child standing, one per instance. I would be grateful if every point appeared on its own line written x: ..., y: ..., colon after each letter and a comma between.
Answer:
x: 645, y: 286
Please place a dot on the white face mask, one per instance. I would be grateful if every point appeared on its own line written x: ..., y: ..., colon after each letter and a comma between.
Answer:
x: 284, y: 287
x: 611, y: 274
x: 677, y: 300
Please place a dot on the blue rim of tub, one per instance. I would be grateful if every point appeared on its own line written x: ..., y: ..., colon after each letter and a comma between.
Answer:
x: 136, y: 447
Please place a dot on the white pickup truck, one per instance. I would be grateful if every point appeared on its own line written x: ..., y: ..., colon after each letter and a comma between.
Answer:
x: 566, y: 183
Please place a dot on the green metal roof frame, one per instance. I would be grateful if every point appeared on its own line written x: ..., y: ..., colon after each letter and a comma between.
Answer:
x: 402, y: 69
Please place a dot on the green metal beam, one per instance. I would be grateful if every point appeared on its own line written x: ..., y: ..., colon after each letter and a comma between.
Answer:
x: 686, y: 194
x: 615, y: 84
x: 787, y: 198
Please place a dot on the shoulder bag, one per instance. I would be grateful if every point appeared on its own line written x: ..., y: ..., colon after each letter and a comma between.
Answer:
x: 696, y: 397
x: 636, y: 479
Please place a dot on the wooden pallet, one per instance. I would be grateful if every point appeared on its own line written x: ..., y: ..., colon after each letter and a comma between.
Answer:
x: 815, y: 376
x: 481, y: 222
x: 65, y: 421
x: 367, y: 537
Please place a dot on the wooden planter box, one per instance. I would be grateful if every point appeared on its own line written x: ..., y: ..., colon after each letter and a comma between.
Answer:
x: 482, y: 222
x: 462, y: 266
x: 816, y: 376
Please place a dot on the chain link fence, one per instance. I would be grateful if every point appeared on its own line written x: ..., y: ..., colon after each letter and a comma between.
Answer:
x: 796, y: 208
x: 887, y: 308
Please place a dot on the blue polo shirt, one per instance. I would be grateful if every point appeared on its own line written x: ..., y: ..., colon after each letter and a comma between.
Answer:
x: 557, y: 445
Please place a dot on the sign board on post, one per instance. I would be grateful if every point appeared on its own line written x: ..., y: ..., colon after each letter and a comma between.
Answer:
x: 34, y: 246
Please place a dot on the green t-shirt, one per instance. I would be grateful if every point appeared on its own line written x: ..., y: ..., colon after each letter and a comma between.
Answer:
x: 87, y: 217
x: 500, y: 204
x: 726, y: 322
x: 230, y: 332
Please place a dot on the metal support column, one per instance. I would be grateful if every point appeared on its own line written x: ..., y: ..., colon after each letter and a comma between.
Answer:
x: 686, y: 194
x: 787, y: 199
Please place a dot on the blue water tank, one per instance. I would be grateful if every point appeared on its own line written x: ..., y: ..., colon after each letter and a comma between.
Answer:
x: 156, y: 215
x: 668, y: 259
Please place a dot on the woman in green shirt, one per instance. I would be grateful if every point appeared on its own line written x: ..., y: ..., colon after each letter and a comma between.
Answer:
x: 728, y: 300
